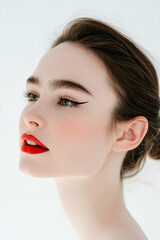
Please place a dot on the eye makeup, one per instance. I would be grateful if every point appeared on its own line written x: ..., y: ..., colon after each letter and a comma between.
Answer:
x: 31, y: 97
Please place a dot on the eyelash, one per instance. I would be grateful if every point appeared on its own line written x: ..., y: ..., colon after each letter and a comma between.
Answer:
x: 28, y: 95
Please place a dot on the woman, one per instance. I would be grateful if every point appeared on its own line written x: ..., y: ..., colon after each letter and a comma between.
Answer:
x: 91, y: 120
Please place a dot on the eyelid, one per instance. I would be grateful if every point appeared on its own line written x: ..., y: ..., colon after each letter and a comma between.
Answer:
x: 60, y: 95
x: 67, y: 97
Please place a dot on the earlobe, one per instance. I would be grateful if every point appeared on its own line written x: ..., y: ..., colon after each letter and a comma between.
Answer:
x: 132, y: 134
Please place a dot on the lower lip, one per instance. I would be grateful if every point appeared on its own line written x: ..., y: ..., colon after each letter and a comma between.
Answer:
x: 32, y: 150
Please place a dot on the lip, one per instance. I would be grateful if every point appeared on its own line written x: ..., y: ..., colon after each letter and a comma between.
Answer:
x: 29, y: 149
x: 30, y: 137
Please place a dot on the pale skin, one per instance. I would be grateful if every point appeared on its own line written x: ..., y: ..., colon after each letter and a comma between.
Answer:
x: 83, y: 158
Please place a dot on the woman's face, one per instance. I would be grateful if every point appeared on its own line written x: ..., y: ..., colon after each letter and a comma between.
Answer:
x: 76, y: 136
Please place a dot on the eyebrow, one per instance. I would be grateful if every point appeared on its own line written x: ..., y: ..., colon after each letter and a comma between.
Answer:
x: 60, y: 83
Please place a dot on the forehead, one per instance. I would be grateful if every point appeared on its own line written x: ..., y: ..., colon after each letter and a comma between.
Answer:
x: 74, y: 61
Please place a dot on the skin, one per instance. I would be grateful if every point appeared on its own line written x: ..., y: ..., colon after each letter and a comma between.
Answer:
x: 83, y: 157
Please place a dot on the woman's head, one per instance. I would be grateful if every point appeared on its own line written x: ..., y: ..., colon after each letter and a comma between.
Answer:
x: 75, y: 135
x: 124, y: 90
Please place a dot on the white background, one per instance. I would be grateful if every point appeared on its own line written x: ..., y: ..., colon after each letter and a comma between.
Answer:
x: 30, y: 208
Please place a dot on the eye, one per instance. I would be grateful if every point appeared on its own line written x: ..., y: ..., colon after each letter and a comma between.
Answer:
x: 65, y: 100
x: 30, y: 96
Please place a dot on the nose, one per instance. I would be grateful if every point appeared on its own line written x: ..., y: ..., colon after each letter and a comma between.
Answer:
x: 33, y: 120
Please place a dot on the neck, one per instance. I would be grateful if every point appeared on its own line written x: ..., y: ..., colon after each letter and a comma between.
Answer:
x: 95, y: 205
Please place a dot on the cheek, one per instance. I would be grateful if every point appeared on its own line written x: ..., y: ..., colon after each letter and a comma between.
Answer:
x: 82, y: 130
x: 76, y: 131
x: 82, y: 145
x: 71, y: 130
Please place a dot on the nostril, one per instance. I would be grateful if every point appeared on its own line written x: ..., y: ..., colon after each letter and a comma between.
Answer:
x: 33, y: 122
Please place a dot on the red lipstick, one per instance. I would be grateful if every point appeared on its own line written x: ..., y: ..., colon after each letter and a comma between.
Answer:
x: 31, y: 149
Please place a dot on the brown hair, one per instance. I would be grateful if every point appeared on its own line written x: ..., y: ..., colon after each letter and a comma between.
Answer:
x: 133, y: 78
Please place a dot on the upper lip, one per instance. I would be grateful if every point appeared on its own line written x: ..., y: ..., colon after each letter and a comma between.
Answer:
x: 30, y: 137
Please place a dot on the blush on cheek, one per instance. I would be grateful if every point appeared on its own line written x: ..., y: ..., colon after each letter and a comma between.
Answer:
x: 80, y: 131
x: 71, y: 130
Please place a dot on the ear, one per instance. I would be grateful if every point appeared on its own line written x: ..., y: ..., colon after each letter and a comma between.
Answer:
x: 130, y: 134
